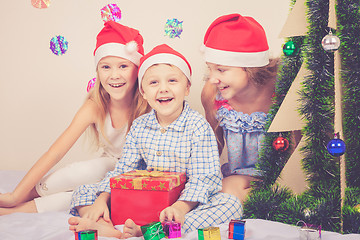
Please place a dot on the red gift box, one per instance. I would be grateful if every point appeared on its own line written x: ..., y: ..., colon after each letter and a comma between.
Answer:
x: 141, y: 195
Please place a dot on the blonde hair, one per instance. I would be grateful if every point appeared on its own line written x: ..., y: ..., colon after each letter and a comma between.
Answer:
x: 101, y: 97
x: 262, y: 75
x: 259, y: 75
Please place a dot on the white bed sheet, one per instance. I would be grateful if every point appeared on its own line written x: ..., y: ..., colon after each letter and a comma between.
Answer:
x: 54, y: 226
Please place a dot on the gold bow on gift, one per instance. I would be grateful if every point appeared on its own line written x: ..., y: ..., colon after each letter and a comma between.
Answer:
x: 142, y: 174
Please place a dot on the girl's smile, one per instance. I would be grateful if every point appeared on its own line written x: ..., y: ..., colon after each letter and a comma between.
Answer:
x: 222, y: 88
x: 116, y: 85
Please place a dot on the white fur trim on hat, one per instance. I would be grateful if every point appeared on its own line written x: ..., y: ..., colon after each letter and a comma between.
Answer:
x: 167, y: 59
x: 118, y: 50
x: 131, y: 47
x: 236, y: 59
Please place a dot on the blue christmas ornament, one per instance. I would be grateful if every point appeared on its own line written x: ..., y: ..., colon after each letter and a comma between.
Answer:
x: 336, y: 147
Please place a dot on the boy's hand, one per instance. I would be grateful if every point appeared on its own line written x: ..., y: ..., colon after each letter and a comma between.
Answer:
x: 177, y: 211
x: 98, y: 209
x: 172, y: 214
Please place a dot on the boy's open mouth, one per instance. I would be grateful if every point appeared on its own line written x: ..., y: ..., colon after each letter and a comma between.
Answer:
x: 165, y: 100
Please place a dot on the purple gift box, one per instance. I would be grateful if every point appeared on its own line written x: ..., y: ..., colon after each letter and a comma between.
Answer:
x: 172, y: 229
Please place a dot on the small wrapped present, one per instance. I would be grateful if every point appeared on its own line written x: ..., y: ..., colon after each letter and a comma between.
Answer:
x: 309, y: 232
x: 237, y: 229
x: 153, y: 231
x: 209, y: 233
x: 86, y: 235
x: 141, y: 195
x: 172, y: 229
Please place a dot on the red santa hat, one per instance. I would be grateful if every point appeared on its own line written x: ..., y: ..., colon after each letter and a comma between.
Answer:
x: 163, y: 54
x: 119, y: 41
x: 238, y: 41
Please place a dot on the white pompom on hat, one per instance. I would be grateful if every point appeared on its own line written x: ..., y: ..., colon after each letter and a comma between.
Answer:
x: 118, y: 40
x: 237, y: 41
x: 163, y: 54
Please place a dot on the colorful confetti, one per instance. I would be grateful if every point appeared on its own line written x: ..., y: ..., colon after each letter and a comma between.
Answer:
x: 173, y: 28
x: 111, y: 12
x: 58, y: 45
x: 91, y: 84
x: 40, y: 3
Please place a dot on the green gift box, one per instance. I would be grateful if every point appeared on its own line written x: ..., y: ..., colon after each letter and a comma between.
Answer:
x: 153, y: 231
x: 86, y: 235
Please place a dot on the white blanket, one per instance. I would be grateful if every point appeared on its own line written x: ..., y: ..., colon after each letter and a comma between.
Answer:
x: 54, y: 226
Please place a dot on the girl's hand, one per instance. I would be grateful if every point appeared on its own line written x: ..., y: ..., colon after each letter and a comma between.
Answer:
x: 8, y: 200
x: 172, y: 214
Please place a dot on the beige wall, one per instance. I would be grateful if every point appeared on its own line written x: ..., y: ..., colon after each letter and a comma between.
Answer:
x: 40, y: 92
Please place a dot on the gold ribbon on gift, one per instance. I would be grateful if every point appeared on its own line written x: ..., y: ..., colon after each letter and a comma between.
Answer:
x: 142, y: 174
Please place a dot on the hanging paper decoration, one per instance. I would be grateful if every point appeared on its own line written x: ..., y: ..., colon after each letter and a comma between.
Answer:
x: 58, y: 45
x: 40, y: 3
x: 290, y: 49
x: 91, y: 84
x: 173, y: 28
x: 336, y: 147
x: 111, y: 12
x: 330, y: 42
x: 280, y: 144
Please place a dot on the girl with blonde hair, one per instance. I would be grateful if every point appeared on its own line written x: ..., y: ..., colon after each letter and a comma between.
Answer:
x: 108, y: 112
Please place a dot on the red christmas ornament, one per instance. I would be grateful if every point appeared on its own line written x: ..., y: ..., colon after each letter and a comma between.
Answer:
x: 280, y: 144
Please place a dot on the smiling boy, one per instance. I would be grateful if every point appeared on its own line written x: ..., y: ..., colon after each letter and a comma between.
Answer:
x: 165, y: 87
x: 172, y: 137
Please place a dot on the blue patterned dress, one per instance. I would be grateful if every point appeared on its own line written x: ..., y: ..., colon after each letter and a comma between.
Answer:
x: 243, y: 134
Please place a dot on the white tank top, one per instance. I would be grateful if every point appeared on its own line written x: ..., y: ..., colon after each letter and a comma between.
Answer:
x: 115, y: 142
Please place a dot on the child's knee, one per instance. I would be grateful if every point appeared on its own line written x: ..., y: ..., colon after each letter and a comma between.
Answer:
x: 235, y: 206
x: 235, y: 202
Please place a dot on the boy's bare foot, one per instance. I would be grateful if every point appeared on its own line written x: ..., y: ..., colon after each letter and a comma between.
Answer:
x: 131, y: 229
x: 104, y: 229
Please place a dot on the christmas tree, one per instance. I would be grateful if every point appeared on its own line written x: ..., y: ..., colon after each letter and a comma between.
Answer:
x: 329, y: 104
